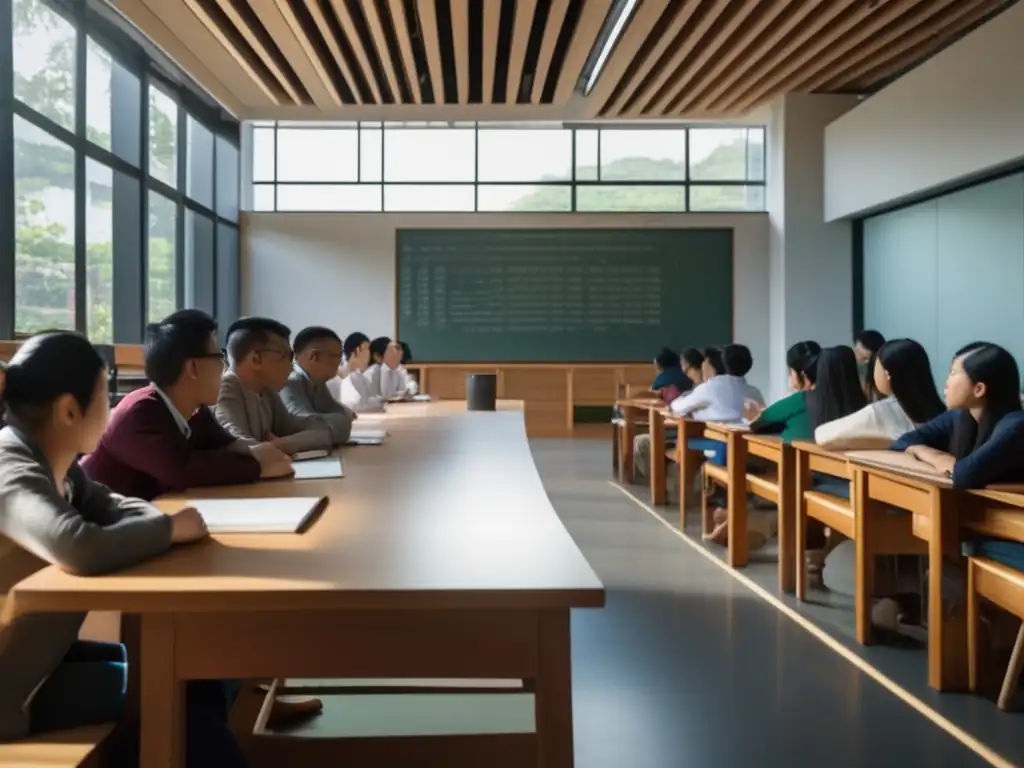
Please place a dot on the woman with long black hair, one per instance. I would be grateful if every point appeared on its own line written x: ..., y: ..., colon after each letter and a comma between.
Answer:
x: 903, y: 378
x: 980, y: 439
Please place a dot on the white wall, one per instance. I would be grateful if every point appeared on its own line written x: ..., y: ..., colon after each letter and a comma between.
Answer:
x: 958, y: 115
x: 338, y: 269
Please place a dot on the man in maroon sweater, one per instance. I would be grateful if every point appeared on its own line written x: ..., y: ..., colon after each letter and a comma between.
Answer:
x: 163, y: 438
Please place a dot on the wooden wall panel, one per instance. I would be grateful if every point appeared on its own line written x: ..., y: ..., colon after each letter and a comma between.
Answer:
x: 594, y: 386
x: 544, y: 391
x: 448, y: 383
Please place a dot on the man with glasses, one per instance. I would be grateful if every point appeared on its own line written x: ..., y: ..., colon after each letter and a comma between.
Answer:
x: 317, y: 359
x: 163, y: 438
x: 249, y: 405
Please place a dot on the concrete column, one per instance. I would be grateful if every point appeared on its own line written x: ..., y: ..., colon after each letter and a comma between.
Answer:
x: 810, y: 261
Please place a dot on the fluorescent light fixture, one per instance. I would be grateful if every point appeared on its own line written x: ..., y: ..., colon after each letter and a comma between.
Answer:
x: 623, y: 11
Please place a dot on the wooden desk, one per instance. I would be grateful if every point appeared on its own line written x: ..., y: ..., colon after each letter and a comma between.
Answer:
x: 933, y: 506
x: 688, y: 461
x: 438, y: 556
x: 637, y: 411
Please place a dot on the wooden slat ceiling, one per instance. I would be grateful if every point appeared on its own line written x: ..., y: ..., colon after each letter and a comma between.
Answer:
x: 674, y: 58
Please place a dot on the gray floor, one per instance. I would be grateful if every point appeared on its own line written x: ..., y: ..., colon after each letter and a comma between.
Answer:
x: 687, y: 667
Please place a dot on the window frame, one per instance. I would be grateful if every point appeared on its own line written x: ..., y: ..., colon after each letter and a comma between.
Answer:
x: 271, y: 186
x: 130, y: 280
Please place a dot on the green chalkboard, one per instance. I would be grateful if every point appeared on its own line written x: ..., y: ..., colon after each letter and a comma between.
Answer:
x: 562, y: 295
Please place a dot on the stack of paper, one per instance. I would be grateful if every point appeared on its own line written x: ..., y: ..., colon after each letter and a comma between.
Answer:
x: 319, y: 469
x: 366, y: 436
x: 283, y: 515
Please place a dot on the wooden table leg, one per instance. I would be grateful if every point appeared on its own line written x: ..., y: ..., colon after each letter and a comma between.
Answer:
x: 802, y: 473
x: 736, y: 495
x: 628, y: 435
x: 162, y: 715
x: 947, y: 630
x: 864, y: 558
x: 553, y: 695
x: 787, y: 502
x: 659, y: 485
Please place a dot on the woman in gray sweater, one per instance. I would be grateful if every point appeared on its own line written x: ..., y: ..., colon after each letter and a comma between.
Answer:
x: 53, y: 398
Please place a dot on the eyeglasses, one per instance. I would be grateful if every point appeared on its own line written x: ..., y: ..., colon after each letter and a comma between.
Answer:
x: 221, y: 354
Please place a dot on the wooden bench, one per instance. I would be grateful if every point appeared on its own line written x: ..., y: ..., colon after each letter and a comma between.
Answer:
x: 1003, y: 586
x: 778, y: 487
x: 60, y: 749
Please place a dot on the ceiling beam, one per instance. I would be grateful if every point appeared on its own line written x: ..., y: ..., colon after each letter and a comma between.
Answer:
x: 894, y: 42
x: 757, y: 57
x: 553, y: 25
x: 588, y: 27
x: 349, y: 28
x: 717, y: 46
x: 408, y: 62
x: 660, y: 86
x: 666, y: 38
x: 375, y: 22
x: 428, y: 28
x: 460, y: 42
x: 279, y: 19
x: 639, y: 27
x: 492, y: 25
x: 332, y: 44
x: 818, y: 38
x: 525, y: 9
x: 254, y: 41
x: 212, y: 27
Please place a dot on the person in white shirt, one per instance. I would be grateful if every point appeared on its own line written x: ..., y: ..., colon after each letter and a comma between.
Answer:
x: 903, y: 377
x: 355, y: 389
x: 388, y: 378
x: 721, y: 395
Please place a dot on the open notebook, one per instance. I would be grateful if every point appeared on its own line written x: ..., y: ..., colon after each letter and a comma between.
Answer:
x: 280, y: 515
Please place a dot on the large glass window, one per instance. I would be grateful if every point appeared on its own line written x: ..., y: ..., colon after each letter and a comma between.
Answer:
x: 99, y: 194
x: 429, y: 154
x: 163, y: 136
x: 44, y: 61
x: 99, y: 252
x: 44, y: 248
x: 161, y: 293
x: 199, y: 179
x: 537, y: 167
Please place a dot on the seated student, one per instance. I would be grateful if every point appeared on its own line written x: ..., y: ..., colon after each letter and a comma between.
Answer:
x: 355, y: 390
x: 837, y: 392
x: 249, y: 405
x: 55, y: 395
x: 980, y: 439
x: 162, y: 438
x: 788, y: 417
x: 865, y: 348
x: 738, y: 361
x: 719, y: 397
x: 387, y: 376
x: 903, y: 378
x: 671, y: 381
x: 691, y: 360
x: 318, y: 351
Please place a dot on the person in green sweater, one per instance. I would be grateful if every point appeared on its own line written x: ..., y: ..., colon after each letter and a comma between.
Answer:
x: 788, y: 417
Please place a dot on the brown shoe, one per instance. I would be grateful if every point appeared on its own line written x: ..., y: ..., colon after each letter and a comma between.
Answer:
x: 290, y: 711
